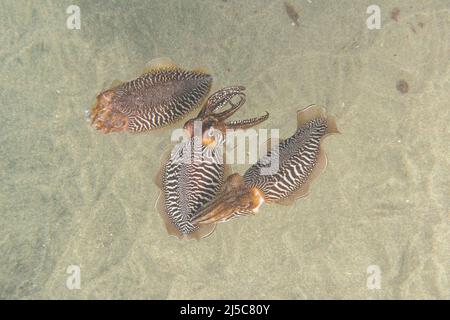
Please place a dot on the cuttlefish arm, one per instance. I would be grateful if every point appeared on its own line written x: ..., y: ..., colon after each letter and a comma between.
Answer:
x: 247, y: 123
x: 221, y: 98
x: 212, y: 119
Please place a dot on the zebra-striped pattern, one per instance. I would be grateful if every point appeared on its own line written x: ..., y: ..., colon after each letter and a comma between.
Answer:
x: 297, y: 157
x: 190, y: 182
x: 160, y: 97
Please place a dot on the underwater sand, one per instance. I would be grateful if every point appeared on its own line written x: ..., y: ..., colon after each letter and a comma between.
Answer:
x: 72, y: 196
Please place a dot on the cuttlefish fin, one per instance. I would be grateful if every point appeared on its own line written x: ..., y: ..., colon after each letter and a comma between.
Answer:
x: 116, y: 83
x: 313, y: 112
x: 303, y: 116
x: 160, y: 202
x: 161, y: 209
x: 162, y: 63
x: 165, y: 156
x: 203, y: 231
x: 201, y: 70
x: 165, y: 63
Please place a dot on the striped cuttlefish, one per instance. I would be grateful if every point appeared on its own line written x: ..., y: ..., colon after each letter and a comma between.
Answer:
x: 300, y: 160
x: 165, y: 93
x: 193, y: 173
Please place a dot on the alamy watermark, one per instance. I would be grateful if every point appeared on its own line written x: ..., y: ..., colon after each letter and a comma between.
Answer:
x: 374, y: 278
x: 73, y: 22
x: 73, y: 281
x: 231, y: 147
x: 373, y: 22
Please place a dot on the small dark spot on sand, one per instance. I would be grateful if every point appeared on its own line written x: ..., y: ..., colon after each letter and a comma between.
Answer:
x: 402, y: 86
x: 421, y: 24
x: 412, y: 28
x: 395, y: 13
x: 292, y: 13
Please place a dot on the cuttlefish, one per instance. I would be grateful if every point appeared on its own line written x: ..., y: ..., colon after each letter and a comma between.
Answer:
x: 193, y: 173
x: 300, y: 160
x: 162, y: 95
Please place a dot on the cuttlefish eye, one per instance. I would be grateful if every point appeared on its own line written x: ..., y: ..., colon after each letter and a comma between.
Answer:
x: 211, y: 136
x: 205, y: 125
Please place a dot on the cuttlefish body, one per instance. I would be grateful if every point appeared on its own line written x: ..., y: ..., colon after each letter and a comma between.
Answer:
x: 300, y: 160
x: 194, y: 172
x: 163, y: 94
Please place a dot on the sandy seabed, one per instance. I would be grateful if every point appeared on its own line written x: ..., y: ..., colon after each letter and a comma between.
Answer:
x: 72, y: 196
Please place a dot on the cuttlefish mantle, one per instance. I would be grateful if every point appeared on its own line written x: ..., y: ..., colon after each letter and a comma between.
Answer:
x: 163, y: 94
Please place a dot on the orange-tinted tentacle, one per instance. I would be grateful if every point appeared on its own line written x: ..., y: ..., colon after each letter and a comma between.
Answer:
x: 236, y: 199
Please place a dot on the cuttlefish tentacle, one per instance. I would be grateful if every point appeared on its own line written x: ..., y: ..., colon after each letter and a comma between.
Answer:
x: 211, y: 119
x: 247, y: 123
x: 222, y: 116
x: 300, y: 159
x: 223, y: 97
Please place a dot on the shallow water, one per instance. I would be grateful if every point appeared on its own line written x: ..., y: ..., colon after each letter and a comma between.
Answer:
x: 72, y: 196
